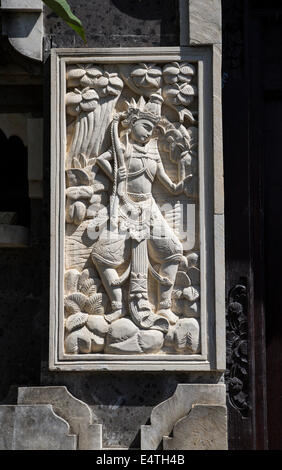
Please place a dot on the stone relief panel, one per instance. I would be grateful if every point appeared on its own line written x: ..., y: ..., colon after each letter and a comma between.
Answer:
x: 127, y: 283
x: 132, y: 258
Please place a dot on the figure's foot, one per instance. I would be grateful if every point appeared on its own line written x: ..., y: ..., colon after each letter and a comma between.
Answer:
x: 115, y: 315
x: 169, y: 315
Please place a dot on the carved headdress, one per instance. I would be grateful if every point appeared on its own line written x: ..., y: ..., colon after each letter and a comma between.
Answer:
x: 150, y: 110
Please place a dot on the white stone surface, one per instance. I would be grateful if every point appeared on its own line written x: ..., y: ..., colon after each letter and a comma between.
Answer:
x: 220, y: 291
x: 165, y: 415
x: 22, y: 22
x: 21, y: 5
x: 89, y: 165
x: 204, y: 22
x: 217, y: 132
x: 204, y: 428
x: 34, y: 427
x: 75, y: 412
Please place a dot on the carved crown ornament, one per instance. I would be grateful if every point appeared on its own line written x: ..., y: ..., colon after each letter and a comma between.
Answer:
x: 130, y: 210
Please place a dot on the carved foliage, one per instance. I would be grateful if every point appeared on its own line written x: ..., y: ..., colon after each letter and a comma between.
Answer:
x: 237, y: 349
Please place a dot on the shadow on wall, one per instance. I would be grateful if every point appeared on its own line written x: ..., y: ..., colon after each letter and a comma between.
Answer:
x: 148, y: 10
x: 14, y: 188
x: 166, y: 11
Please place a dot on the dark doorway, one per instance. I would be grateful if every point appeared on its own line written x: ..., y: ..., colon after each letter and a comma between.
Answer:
x: 252, y: 120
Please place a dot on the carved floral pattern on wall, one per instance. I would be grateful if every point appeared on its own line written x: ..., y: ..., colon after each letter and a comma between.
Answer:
x: 237, y: 373
x: 132, y: 277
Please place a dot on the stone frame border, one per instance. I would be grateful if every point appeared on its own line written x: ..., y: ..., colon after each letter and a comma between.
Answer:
x: 211, y: 211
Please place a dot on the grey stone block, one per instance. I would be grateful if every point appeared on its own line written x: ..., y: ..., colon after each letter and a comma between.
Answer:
x: 77, y: 413
x: 13, y: 236
x: 204, y: 22
x: 204, y: 428
x: 165, y: 415
x: 34, y: 427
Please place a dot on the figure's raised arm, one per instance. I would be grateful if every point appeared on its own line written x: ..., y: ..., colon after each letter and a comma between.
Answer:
x: 104, y: 162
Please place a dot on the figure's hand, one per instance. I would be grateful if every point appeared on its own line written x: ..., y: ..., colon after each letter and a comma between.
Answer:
x: 187, y: 185
x: 187, y: 179
x: 122, y: 173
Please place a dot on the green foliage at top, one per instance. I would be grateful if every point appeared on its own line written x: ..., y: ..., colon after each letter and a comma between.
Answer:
x: 63, y: 10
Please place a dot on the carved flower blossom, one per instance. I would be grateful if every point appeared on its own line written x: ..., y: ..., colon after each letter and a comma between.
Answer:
x: 81, y: 100
x: 109, y: 84
x: 235, y: 384
x: 84, y: 75
x: 176, y: 72
x: 147, y: 76
x: 180, y: 94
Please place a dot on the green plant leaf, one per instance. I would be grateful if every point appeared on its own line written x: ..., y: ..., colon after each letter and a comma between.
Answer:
x: 62, y: 9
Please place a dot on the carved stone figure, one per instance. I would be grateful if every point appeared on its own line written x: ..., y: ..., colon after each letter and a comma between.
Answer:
x: 124, y: 257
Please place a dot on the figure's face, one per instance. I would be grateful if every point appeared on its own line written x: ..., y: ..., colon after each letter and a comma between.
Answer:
x: 142, y: 130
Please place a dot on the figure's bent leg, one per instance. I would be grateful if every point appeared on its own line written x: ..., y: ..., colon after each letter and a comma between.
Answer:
x: 169, y: 270
x: 108, y: 277
x: 108, y: 253
x: 166, y: 251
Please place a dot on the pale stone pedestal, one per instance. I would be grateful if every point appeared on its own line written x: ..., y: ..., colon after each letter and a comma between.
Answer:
x: 195, y: 415
x: 48, y: 418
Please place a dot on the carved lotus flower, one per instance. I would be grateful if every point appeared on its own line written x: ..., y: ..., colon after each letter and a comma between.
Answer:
x: 81, y: 100
x: 84, y: 75
x: 176, y: 141
x: 109, y: 84
x: 147, y: 76
x: 176, y: 72
x: 180, y: 94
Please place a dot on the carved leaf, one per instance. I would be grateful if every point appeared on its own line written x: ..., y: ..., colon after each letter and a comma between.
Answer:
x: 76, y: 163
x: 75, y: 71
x: 78, y: 298
x: 175, y: 72
x: 79, y: 192
x: 77, y: 212
x: 94, y: 305
x: 191, y: 293
x: 88, y: 106
x: 77, y: 177
x: 94, y: 71
x: 78, y: 320
x: 89, y: 94
x: 83, y: 160
x: 73, y: 98
x: 71, y: 307
x: 85, y: 287
x: 116, y: 82
x: 194, y: 274
x: 182, y: 280
x: 85, y: 275
x: 71, y: 279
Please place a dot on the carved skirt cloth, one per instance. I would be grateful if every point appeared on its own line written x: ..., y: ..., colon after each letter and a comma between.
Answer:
x: 113, y: 248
